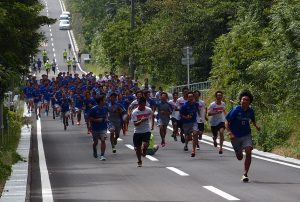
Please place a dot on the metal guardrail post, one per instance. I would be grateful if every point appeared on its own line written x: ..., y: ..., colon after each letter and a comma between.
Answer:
x: 1, y: 123
x: 7, y: 122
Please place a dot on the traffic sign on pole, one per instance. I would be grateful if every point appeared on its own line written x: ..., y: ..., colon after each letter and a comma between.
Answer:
x: 187, y: 51
x: 185, y: 61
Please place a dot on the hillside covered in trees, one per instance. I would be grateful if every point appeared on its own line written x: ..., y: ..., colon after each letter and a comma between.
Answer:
x: 251, y: 44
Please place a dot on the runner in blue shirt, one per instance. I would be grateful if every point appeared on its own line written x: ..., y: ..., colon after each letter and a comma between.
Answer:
x: 78, y: 104
x: 188, y: 114
x: 89, y: 102
x: 239, y: 131
x: 65, y: 103
x: 116, y: 111
x: 98, y: 117
x: 37, y: 101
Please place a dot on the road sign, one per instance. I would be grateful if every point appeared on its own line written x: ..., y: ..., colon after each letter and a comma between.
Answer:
x: 185, y: 61
x: 187, y: 51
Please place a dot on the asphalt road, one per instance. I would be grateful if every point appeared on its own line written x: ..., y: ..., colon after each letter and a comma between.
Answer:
x: 74, y: 175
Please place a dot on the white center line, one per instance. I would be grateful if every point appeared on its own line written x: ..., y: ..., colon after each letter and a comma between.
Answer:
x: 45, y: 181
x: 51, y: 39
x: 129, y: 146
x: 54, y: 55
x: 51, y: 34
x: 53, y: 50
x: 221, y: 193
x: 151, y: 158
x: 52, y: 44
x: 177, y: 171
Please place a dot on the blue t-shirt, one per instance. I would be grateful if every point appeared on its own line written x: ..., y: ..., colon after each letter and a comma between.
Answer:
x: 189, y: 109
x: 240, y: 121
x: 78, y: 100
x: 89, y: 103
x: 99, y: 112
x: 65, y: 104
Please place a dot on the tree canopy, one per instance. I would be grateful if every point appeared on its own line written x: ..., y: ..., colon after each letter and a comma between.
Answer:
x: 19, y: 38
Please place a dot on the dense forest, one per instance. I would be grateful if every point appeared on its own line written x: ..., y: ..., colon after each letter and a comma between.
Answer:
x: 237, y: 45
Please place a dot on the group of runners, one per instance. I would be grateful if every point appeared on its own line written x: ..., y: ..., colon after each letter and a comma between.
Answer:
x: 109, y: 102
x: 48, y: 65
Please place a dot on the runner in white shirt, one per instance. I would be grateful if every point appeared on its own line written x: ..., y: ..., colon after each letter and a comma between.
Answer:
x: 175, y: 116
x: 200, y: 116
x: 180, y: 102
x: 141, y: 117
x: 216, y: 112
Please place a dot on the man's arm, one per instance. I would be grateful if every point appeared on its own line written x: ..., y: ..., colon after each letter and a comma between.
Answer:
x: 229, y: 132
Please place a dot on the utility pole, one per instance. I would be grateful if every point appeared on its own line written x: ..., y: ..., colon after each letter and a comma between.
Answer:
x: 132, y: 25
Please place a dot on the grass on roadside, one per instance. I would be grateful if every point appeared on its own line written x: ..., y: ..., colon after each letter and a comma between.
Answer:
x: 8, y: 144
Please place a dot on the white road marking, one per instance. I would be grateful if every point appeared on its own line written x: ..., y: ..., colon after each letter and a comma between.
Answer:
x: 50, y: 27
x: 51, y: 39
x: 177, y: 171
x: 74, y: 53
x: 50, y: 33
x: 61, y: 6
x: 45, y: 181
x: 50, y: 30
x: 53, y: 50
x: 221, y: 193
x: 151, y: 158
x: 275, y: 161
x: 54, y: 55
x: 129, y: 146
x: 52, y: 44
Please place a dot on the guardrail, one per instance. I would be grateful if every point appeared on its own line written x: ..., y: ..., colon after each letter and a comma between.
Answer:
x: 203, y: 87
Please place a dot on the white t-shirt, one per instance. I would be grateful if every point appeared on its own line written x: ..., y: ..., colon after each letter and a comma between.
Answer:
x: 136, y: 115
x: 201, y: 108
x: 175, y: 114
x: 180, y: 102
x: 218, y: 118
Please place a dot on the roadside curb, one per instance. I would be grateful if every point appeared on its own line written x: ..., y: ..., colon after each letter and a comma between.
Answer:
x: 15, y: 189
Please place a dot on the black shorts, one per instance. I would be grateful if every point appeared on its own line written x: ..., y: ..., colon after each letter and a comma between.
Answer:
x: 139, y: 138
x: 215, y: 129
x: 174, y: 121
x: 201, y: 127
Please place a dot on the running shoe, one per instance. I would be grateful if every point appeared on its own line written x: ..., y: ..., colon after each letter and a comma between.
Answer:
x: 197, y: 147
x: 193, y: 154
x: 185, y: 148
x: 95, y: 154
x: 78, y: 123
x: 139, y: 164
x: 220, y: 151
x: 102, y: 158
x: 163, y: 143
x: 114, y: 150
x: 245, y: 178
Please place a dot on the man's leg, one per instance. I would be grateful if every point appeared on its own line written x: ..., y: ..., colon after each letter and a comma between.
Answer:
x: 95, y: 147
x: 248, y: 151
x: 195, y: 142
x: 221, y: 132
x: 103, y: 146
